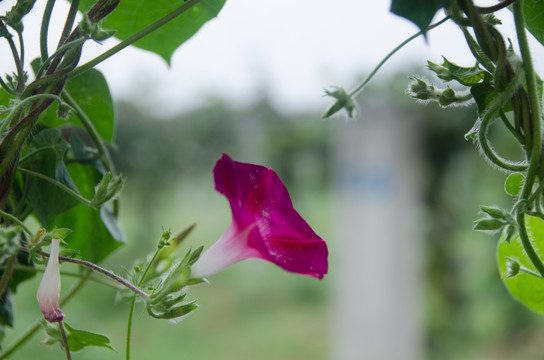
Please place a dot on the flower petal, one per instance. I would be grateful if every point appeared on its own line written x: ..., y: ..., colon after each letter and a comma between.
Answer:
x: 257, y: 195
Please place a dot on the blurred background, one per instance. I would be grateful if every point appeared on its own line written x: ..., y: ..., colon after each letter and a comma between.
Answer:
x: 394, y: 193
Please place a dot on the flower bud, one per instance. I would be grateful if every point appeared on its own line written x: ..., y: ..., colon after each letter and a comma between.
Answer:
x: 49, y: 289
x: 512, y: 268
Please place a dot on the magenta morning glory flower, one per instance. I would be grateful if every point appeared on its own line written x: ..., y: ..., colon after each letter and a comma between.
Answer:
x: 49, y: 289
x: 264, y: 224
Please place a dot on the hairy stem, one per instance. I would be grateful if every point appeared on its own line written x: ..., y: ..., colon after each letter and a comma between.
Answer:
x: 65, y: 341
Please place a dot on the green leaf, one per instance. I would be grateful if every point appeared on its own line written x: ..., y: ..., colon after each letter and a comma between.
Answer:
x: 96, y: 233
x: 420, y: 12
x: 77, y: 339
x: 534, y: 18
x: 90, y: 90
x: 526, y: 288
x: 132, y: 16
x: 6, y: 310
x: 45, y: 156
x: 467, y: 76
x: 514, y: 183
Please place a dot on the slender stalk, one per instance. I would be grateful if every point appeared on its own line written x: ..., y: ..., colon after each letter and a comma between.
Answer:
x: 65, y: 341
x: 69, y: 22
x: 65, y: 273
x: 129, y: 327
x: 56, y: 183
x: 89, y: 126
x: 101, y: 270
x: 27, y: 335
x: 21, y: 45
x: 18, y: 64
x: 494, y: 108
x: 362, y: 85
x: 133, y: 302
x: 45, y: 28
x: 97, y: 140
x: 132, y: 39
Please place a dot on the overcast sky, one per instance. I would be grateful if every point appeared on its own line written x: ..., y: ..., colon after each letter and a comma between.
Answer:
x: 293, y: 48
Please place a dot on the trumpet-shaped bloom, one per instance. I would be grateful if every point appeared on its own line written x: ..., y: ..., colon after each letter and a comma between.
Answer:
x: 49, y: 289
x: 264, y: 224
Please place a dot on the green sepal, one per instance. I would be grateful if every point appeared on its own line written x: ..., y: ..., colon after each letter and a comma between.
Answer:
x: 488, y: 224
x: 508, y: 233
x: 176, y: 313
x: 495, y: 212
x: 343, y: 101
x: 512, y: 268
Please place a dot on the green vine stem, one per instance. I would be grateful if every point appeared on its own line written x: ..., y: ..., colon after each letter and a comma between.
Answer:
x: 18, y: 64
x: 97, y: 140
x: 27, y: 335
x: 362, y: 85
x: 45, y: 28
x: 89, y: 126
x: 100, y: 270
x: 65, y: 341
x: 133, y: 302
x: 493, y: 109
x: 536, y: 148
x: 69, y: 22
x: 56, y: 183
x: 132, y: 39
x: 66, y: 273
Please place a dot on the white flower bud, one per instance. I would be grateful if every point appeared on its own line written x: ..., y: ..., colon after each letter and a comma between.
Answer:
x: 49, y: 289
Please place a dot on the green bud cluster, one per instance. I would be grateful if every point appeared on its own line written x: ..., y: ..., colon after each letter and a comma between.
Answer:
x: 108, y: 188
x: 496, y: 219
x: 419, y: 89
x: 512, y: 268
x: 168, y: 298
x: 93, y: 30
